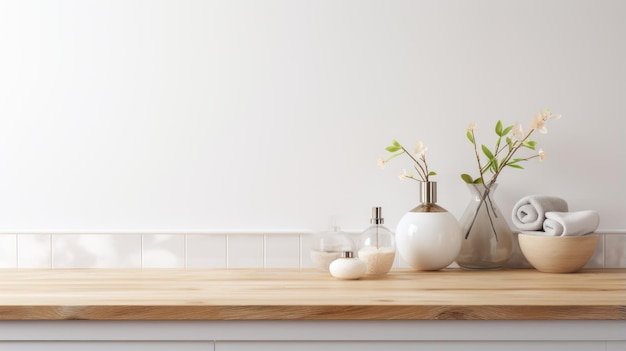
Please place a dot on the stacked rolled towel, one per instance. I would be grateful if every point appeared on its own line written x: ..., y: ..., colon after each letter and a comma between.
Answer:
x: 548, y: 215
x: 571, y: 223
x: 530, y: 211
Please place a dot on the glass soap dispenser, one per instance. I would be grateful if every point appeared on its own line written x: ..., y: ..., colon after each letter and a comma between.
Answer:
x: 329, y: 246
x: 377, y: 247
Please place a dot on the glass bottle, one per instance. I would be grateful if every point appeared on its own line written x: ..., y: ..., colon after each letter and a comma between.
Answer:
x: 377, y: 246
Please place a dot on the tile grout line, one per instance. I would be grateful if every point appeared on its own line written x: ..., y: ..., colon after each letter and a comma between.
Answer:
x: 185, y: 251
x: 300, y: 251
x: 300, y: 258
x: 264, y: 251
x: 226, y: 248
x: 603, y: 252
x: 16, y: 253
x: 51, y: 252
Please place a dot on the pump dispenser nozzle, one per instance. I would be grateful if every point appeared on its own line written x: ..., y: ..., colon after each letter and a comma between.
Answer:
x: 377, y: 216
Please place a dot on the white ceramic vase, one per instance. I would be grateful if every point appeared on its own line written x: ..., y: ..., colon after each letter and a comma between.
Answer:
x: 428, y: 237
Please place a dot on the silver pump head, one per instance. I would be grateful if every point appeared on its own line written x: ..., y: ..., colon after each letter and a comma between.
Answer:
x: 377, y: 216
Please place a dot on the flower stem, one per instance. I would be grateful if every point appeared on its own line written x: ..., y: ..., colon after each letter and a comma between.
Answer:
x: 423, y: 174
x: 480, y: 168
x: 483, y: 197
x: 509, y: 156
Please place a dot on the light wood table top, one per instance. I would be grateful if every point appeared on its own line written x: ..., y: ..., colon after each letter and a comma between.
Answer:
x: 307, y: 294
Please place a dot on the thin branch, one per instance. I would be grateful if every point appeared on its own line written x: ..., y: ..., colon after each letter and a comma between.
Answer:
x: 421, y: 171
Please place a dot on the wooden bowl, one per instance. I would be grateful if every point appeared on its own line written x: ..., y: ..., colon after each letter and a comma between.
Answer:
x: 558, y: 254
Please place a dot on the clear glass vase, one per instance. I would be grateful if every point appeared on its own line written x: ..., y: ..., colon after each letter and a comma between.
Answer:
x: 487, y: 237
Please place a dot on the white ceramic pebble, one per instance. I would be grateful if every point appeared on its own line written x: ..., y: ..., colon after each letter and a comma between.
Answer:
x: 347, y: 267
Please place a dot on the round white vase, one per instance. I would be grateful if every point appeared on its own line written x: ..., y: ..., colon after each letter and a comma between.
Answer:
x: 428, y: 237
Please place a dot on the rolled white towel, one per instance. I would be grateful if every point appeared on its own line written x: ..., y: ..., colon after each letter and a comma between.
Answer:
x: 571, y: 223
x: 529, y: 212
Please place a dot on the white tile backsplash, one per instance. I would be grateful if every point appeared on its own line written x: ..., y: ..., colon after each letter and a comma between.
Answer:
x: 597, y: 260
x: 306, y: 244
x: 8, y: 251
x: 244, y: 251
x: 163, y: 251
x: 282, y: 251
x: 34, y: 251
x: 96, y: 251
x: 206, y: 251
x: 615, y: 251
x: 255, y: 250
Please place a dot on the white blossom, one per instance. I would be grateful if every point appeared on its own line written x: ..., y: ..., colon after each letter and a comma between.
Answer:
x: 404, y: 175
x: 518, y: 130
x: 420, y: 149
x: 541, y: 154
x: 538, y: 124
x: 547, y: 114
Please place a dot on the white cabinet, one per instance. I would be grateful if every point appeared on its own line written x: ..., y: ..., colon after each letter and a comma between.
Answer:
x: 616, y: 346
x: 412, y: 346
x: 107, y: 345
x: 276, y: 335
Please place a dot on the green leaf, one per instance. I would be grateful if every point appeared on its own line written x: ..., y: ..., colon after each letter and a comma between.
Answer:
x: 395, y: 146
x: 514, y: 165
x: 488, y: 166
x: 509, y: 142
x: 494, y: 166
x: 499, y: 128
x: 470, y: 136
x: 502, y: 162
x: 394, y: 156
x: 432, y: 173
x: 467, y: 178
x: 507, y: 130
x: 478, y: 181
x: 487, y: 152
x: 530, y: 144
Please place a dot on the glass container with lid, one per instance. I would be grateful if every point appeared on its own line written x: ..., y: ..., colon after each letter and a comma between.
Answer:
x: 329, y: 245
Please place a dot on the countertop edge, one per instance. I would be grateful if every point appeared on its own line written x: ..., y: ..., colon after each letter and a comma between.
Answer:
x: 317, y: 312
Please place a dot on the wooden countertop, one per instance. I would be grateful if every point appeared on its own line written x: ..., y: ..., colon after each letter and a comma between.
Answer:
x: 293, y: 294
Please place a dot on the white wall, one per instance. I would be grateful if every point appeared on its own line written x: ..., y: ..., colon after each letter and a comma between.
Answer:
x: 269, y: 115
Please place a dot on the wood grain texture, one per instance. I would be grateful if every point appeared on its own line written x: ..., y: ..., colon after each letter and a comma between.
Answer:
x: 292, y: 294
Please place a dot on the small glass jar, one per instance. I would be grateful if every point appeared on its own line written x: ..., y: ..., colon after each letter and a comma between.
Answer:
x: 328, y: 247
x: 377, y: 247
